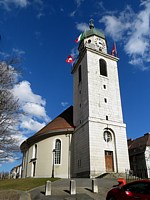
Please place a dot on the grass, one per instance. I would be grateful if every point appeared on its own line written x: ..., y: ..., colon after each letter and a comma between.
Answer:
x: 24, y: 184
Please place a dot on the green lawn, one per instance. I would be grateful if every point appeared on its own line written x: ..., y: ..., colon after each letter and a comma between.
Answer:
x: 23, y: 184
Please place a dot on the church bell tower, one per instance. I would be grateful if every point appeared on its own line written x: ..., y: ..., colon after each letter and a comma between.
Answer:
x: 99, y: 139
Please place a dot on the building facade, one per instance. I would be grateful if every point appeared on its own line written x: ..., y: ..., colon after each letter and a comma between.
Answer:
x: 139, y: 155
x: 97, y: 141
x: 47, y: 153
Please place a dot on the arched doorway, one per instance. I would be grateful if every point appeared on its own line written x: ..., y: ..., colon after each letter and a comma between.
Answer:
x: 109, y: 150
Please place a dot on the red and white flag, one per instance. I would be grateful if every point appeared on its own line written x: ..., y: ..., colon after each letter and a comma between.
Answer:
x: 69, y: 59
x: 114, y: 50
x: 79, y: 38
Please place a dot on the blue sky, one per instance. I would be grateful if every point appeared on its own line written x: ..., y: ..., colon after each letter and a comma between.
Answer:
x: 42, y: 33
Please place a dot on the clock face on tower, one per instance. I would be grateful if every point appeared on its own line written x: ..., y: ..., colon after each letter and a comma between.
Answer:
x: 100, y: 43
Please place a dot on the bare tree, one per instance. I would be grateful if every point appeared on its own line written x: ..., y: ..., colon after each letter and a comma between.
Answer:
x: 9, y: 112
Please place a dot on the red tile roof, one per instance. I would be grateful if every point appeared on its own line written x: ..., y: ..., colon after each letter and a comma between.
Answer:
x: 60, y: 125
x: 63, y: 121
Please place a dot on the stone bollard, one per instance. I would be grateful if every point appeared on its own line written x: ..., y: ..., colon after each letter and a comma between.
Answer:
x: 94, y: 186
x: 48, y: 188
x: 72, y: 187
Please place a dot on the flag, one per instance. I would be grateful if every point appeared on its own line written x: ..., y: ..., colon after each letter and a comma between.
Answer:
x: 69, y: 59
x: 114, y: 50
x: 79, y: 38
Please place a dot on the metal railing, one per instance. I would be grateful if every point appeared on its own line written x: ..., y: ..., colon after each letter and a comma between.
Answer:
x: 137, y: 174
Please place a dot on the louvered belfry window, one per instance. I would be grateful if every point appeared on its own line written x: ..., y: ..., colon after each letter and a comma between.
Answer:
x: 103, y: 67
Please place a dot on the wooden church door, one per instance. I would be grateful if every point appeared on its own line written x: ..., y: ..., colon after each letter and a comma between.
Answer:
x: 109, y: 161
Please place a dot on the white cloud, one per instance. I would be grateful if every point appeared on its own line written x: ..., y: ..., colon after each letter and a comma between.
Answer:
x: 74, y: 52
x: 33, y: 106
x: 24, y: 93
x: 132, y: 29
x: 78, y: 3
x: 64, y: 104
x: 116, y: 26
x: 40, y: 2
x: 72, y: 14
x: 32, y: 125
x: 136, y: 45
x: 82, y: 27
x: 40, y: 14
x: 101, y: 5
x: 37, y: 4
x: 20, y: 137
x: 4, y: 54
x: 18, y: 52
x: 17, y: 3
x: 112, y: 24
x: 11, y: 160
x: 34, y: 109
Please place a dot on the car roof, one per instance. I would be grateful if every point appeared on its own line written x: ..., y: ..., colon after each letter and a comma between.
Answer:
x: 143, y: 180
x: 138, y: 181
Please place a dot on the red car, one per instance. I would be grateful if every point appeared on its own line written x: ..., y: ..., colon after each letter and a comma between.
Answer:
x: 134, y: 190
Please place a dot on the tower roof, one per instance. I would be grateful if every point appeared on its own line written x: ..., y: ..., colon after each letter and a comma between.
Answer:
x: 93, y: 31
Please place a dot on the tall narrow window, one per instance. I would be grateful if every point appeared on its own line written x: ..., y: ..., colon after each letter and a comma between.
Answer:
x: 35, y: 150
x: 80, y: 77
x: 34, y: 155
x: 57, y: 151
x: 103, y: 67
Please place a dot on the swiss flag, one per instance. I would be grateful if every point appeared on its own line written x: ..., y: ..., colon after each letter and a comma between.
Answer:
x: 69, y: 59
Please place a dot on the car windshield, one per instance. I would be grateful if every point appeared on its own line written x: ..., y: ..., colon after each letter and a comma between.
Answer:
x: 139, y: 187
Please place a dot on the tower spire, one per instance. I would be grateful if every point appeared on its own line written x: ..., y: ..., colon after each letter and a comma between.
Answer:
x: 91, y: 24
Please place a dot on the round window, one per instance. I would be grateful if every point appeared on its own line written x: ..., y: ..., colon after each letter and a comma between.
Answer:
x: 107, y: 136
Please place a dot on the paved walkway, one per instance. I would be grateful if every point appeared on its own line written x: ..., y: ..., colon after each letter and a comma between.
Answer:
x: 60, y: 190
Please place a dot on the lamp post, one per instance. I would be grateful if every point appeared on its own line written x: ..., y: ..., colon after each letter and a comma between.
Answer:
x: 68, y: 135
x: 54, y: 150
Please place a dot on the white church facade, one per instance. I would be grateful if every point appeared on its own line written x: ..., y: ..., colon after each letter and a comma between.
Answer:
x: 89, y: 138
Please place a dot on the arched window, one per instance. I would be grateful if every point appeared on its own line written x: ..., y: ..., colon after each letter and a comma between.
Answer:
x: 103, y: 67
x: 57, y: 151
x: 35, y: 150
x: 107, y: 136
x: 34, y: 155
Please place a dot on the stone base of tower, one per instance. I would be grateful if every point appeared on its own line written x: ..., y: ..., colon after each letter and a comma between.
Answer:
x: 108, y: 148
x: 103, y: 150
x: 85, y: 174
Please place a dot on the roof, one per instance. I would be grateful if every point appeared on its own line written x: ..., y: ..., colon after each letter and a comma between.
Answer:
x: 63, y: 121
x: 61, y: 124
x: 93, y: 31
x: 140, y: 142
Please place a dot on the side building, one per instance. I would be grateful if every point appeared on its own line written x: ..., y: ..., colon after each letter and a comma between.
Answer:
x: 139, y: 155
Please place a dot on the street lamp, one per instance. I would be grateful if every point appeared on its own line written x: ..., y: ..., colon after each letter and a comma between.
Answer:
x: 54, y: 150
x: 68, y: 135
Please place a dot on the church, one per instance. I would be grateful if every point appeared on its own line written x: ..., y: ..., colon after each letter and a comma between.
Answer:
x: 89, y: 138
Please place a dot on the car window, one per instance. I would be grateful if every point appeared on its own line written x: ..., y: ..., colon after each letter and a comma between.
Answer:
x: 141, y: 187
